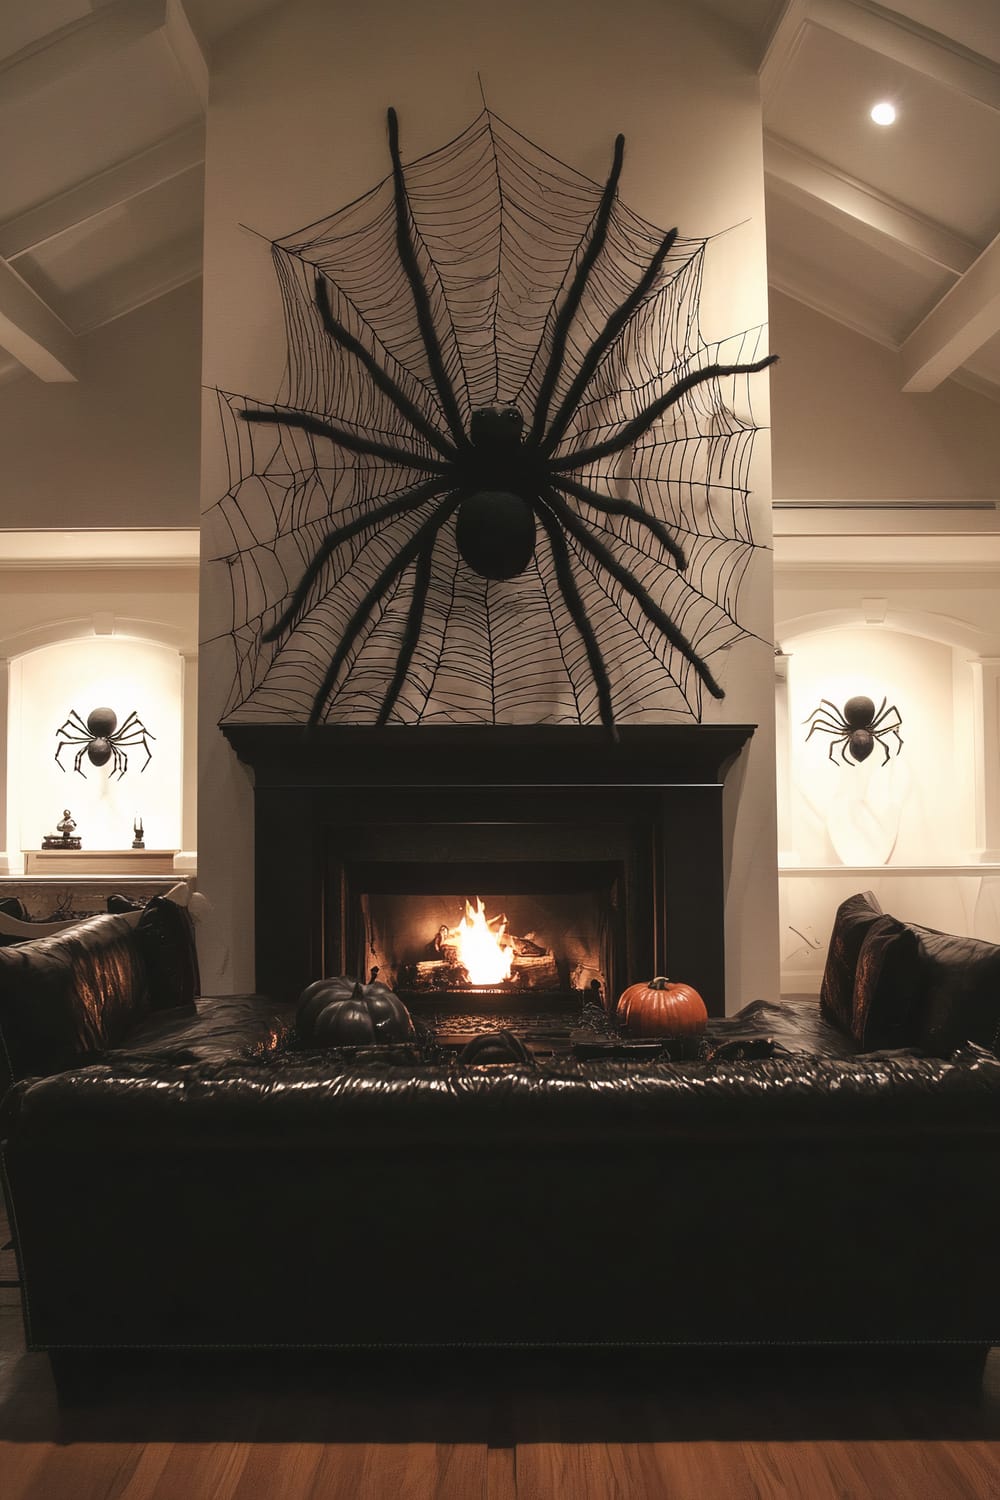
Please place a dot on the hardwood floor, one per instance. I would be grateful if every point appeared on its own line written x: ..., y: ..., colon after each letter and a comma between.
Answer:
x: 494, y: 1426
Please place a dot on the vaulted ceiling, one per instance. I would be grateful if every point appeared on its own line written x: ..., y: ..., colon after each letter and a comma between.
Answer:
x: 892, y: 231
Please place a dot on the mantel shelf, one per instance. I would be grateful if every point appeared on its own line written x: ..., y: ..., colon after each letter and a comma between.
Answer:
x: 99, y: 861
x: 870, y: 870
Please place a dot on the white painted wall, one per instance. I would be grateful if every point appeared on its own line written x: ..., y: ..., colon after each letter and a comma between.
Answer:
x: 120, y: 446
x: 296, y: 128
x: 844, y: 430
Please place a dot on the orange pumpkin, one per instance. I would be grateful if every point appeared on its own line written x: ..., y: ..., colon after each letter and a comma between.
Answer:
x: 658, y: 1007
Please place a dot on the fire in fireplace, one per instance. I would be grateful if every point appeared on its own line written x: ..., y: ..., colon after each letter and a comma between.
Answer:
x: 478, y: 950
x: 527, y: 941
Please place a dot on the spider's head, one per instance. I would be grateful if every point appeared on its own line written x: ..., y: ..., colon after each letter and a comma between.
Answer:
x: 496, y: 427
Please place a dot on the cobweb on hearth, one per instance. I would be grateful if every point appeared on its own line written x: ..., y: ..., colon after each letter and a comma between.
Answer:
x: 500, y: 226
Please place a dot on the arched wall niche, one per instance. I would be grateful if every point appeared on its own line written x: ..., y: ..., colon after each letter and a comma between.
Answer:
x: 146, y: 666
x: 913, y: 827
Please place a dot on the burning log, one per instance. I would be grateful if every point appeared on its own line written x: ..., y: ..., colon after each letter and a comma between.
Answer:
x: 480, y: 951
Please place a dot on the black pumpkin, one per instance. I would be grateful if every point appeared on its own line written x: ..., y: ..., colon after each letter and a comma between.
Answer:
x: 343, y: 1012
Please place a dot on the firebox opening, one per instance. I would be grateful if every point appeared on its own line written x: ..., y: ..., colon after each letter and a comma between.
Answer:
x: 530, y: 933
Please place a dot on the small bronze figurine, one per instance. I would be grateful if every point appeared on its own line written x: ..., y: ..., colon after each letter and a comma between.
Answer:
x: 64, y: 837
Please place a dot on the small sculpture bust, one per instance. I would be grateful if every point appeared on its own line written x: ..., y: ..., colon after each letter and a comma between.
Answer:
x: 66, y: 824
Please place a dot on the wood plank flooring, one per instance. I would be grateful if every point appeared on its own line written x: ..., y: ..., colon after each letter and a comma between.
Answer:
x: 496, y: 1426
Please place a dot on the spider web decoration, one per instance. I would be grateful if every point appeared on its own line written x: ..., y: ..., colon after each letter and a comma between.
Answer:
x: 499, y: 228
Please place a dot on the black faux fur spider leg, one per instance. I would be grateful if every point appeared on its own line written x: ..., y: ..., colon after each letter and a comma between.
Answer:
x: 497, y: 478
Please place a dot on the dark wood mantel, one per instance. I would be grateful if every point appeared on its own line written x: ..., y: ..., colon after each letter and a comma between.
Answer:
x: 481, y: 754
x: 317, y: 791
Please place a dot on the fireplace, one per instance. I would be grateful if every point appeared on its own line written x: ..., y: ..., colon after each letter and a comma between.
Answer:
x: 597, y: 863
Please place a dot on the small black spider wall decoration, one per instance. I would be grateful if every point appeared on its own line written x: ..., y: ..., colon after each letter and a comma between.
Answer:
x: 100, y: 740
x: 857, y: 728
x: 502, y: 475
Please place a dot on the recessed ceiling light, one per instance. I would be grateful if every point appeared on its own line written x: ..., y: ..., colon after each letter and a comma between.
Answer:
x: 884, y: 113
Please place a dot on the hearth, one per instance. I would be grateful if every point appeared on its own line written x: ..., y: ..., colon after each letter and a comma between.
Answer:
x: 374, y: 846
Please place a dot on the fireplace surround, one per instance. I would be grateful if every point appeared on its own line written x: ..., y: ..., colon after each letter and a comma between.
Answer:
x: 345, y: 812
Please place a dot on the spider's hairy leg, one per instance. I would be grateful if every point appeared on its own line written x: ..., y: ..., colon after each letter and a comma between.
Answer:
x: 411, y: 634
x: 827, y: 728
x: 78, y: 762
x: 614, y: 507
x: 834, y: 723
x: 135, y: 733
x: 884, y: 713
x: 409, y: 501
x: 380, y: 377
x: 612, y: 328
x: 70, y: 739
x: 74, y: 721
x: 424, y: 534
x: 418, y: 288
x: 843, y: 750
x: 575, y: 605
x: 576, y: 527
x: 119, y: 756
x: 645, y: 419
x: 348, y: 440
x: 571, y: 301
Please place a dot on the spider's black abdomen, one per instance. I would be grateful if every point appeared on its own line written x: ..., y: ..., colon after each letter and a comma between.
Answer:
x: 495, y: 529
x: 99, y: 751
x: 861, y: 743
x: 495, y: 532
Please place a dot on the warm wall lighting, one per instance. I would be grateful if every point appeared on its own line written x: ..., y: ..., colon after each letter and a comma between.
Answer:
x: 884, y: 113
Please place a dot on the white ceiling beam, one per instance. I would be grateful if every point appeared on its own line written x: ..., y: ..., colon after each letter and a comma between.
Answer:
x: 785, y: 281
x: 894, y: 35
x: 93, y: 38
x: 966, y: 317
x: 132, y: 286
x: 79, y: 44
x: 786, y: 38
x: 184, y: 151
x: 31, y: 332
x: 186, y: 49
x: 862, y: 211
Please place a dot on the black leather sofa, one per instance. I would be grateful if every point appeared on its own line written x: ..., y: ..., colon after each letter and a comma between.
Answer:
x: 199, y: 1183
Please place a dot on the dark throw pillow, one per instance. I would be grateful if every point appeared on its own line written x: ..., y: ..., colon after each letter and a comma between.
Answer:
x: 887, y: 987
x: 960, y: 980
x: 166, y: 937
x: 851, y: 925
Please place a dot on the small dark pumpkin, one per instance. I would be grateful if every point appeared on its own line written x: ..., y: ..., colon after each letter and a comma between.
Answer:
x: 658, y: 1007
x: 343, y: 1012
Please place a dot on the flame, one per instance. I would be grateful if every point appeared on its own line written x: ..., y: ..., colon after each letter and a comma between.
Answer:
x: 485, y: 955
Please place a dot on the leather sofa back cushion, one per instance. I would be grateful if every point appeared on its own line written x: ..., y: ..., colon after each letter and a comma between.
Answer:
x: 854, y: 920
x: 887, y: 987
x: 70, y: 994
x: 960, y: 980
x: 166, y: 938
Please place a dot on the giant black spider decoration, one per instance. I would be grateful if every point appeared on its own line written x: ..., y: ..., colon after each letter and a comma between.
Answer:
x: 507, y: 472
x: 100, y: 740
x: 857, y: 728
